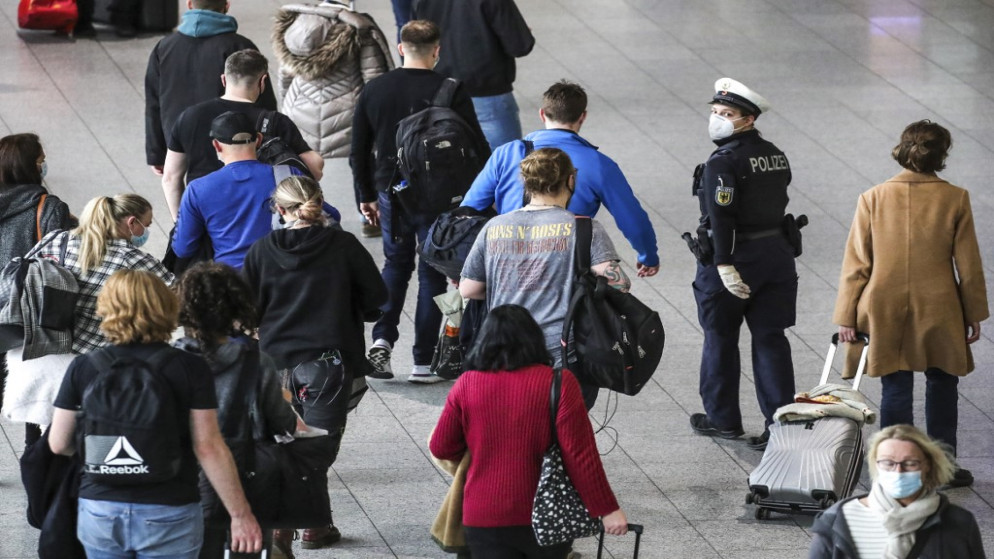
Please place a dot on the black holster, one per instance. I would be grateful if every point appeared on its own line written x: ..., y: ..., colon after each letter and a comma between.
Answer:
x: 700, y: 246
x: 792, y: 230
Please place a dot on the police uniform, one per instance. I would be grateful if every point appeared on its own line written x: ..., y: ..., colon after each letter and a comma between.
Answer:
x: 742, y: 189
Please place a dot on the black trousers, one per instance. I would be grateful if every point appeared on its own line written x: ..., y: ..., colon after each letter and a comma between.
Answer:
x: 511, y: 542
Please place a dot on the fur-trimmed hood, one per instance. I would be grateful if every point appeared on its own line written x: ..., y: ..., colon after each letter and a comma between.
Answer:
x: 309, y: 40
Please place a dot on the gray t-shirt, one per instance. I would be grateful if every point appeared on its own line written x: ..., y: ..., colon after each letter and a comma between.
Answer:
x: 526, y: 258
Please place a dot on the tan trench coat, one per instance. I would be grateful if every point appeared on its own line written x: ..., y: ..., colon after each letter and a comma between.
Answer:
x: 911, y: 237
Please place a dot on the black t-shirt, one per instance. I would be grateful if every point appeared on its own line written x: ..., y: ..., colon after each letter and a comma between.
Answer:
x: 191, y: 134
x: 193, y: 385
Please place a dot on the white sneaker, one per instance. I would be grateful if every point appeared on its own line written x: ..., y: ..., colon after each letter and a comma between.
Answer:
x: 420, y: 374
x: 379, y: 358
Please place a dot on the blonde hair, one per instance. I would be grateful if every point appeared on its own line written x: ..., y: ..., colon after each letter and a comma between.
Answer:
x: 137, y: 307
x: 942, y: 468
x: 302, y: 198
x: 546, y: 171
x: 98, y: 225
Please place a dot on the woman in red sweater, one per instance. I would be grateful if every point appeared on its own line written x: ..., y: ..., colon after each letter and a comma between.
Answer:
x: 498, y: 411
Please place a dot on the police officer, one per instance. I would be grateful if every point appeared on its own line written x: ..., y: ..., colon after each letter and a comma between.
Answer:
x: 742, y: 189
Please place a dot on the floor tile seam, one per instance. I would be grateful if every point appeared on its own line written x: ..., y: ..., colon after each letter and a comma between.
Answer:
x: 411, y: 436
x: 924, y: 8
x: 73, y: 107
x: 790, y: 16
x: 692, y: 107
x: 139, y: 92
x: 364, y: 512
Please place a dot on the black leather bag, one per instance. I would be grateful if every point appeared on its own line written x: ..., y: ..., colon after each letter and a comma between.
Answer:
x: 450, y: 238
x: 286, y: 483
x: 558, y: 514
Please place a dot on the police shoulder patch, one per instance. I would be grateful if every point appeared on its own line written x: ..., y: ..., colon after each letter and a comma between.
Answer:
x: 723, y: 194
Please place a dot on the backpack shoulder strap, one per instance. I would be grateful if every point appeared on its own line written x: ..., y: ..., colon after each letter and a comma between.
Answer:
x: 102, y: 359
x: 445, y: 94
x: 41, y: 206
x: 584, y: 238
x: 63, y: 248
x: 281, y: 172
x: 529, y: 148
x: 265, y: 122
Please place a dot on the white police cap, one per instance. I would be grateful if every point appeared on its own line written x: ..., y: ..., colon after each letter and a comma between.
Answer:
x: 732, y: 92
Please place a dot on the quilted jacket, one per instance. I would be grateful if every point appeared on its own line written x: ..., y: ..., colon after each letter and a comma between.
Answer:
x: 327, y: 53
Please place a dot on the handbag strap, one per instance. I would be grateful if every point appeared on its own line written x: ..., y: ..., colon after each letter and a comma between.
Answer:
x: 41, y: 206
x: 554, y: 391
x: 581, y: 249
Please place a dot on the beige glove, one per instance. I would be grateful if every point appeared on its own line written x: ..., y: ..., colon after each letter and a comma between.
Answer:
x: 733, y: 281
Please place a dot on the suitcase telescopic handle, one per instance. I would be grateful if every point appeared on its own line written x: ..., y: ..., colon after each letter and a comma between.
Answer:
x: 860, y: 369
x: 637, y: 528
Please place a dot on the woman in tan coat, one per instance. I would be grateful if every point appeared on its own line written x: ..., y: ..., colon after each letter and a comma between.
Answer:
x: 912, y: 278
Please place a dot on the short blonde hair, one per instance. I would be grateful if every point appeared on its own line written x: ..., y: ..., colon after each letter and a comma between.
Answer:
x: 941, y: 466
x: 302, y: 198
x: 137, y: 307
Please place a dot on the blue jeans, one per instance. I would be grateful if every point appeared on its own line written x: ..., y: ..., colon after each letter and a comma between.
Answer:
x: 401, y: 234
x: 941, y: 403
x: 113, y: 530
x: 498, y: 116
x: 401, y: 13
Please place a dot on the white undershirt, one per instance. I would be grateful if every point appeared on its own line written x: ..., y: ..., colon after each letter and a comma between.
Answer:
x: 867, y: 529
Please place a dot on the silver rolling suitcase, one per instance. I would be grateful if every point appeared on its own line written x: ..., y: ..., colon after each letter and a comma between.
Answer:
x: 810, y: 465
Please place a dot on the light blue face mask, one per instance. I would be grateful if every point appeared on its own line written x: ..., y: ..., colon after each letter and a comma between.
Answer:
x: 140, y: 240
x: 44, y: 169
x: 900, y: 485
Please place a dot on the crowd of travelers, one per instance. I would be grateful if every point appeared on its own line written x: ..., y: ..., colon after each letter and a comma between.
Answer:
x: 251, y: 328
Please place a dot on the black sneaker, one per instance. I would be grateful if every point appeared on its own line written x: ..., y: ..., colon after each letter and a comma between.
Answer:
x: 962, y: 478
x: 701, y: 425
x: 379, y: 358
x: 760, y: 442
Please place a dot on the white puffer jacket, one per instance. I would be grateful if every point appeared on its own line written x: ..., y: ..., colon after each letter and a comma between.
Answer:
x: 327, y: 53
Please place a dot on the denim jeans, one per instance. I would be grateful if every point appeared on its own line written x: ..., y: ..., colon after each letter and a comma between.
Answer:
x: 401, y: 13
x: 114, y: 530
x: 401, y: 234
x: 498, y: 116
x: 941, y: 403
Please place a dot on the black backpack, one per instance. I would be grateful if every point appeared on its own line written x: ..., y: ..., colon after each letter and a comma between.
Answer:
x: 129, y: 424
x: 617, y: 340
x: 451, y: 237
x: 438, y: 155
x: 274, y: 151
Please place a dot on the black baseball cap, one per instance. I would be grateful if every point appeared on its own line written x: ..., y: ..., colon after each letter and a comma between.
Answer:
x: 233, y: 128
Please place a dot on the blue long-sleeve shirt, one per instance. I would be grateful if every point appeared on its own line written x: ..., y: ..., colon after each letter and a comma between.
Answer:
x: 599, y: 181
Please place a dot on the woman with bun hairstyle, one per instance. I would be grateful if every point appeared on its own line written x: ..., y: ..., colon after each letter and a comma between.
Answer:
x: 525, y: 257
x: 314, y: 285
x: 111, y: 230
x: 912, y: 278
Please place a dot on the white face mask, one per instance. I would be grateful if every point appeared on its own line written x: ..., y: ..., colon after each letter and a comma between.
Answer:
x: 720, y: 127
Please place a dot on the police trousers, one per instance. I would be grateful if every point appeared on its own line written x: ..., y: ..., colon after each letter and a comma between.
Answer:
x: 767, y: 267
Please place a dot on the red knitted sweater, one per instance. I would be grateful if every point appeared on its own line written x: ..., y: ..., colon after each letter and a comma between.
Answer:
x: 503, y: 420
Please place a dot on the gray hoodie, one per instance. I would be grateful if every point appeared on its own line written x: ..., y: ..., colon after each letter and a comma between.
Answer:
x: 19, y: 219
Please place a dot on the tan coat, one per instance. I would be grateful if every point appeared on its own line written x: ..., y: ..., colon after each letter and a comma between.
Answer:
x: 911, y: 237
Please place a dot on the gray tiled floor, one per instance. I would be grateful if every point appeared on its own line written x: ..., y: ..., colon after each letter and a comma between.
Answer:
x: 843, y: 76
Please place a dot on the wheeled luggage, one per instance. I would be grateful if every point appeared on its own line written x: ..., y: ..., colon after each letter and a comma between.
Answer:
x: 637, y: 528
x: 810, y: 465
x: 155, y: 15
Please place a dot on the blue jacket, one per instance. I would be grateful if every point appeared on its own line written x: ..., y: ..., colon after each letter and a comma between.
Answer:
x: 230, y: 206
x: 599, y: 181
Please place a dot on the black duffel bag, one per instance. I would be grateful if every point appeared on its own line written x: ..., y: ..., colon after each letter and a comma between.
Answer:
x: 450, y: 238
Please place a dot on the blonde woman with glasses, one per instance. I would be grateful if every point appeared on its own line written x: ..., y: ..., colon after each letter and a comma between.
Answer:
x: 903, y: 516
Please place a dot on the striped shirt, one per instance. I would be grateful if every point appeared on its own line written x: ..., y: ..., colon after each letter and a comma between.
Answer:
x: 866, y: 526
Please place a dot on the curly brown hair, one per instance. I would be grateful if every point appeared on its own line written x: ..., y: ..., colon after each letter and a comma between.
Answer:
x: 215, y: 301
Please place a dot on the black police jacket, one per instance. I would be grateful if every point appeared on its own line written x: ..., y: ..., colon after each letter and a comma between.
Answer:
x: 743, y: 190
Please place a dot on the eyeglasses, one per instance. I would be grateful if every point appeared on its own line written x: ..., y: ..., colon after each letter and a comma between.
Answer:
x: 906, y: 466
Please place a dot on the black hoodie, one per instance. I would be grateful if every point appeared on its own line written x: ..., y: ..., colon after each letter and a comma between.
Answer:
x: 314, y: 287
x: 19, y: 219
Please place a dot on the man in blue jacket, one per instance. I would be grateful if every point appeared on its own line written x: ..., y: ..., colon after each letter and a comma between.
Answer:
x: 599, y: 179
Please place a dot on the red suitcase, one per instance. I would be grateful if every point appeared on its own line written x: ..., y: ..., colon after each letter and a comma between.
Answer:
x: 60, y: 15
